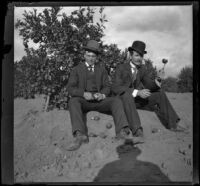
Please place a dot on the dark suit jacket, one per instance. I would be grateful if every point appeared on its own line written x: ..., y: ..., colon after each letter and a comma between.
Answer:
x: 78, y: 78
x: 123, y: 82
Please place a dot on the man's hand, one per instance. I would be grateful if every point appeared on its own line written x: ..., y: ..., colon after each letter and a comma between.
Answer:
x: 161, y: 74
x: 88, y: 96
x: 144, y: 93
x: 99, y: 96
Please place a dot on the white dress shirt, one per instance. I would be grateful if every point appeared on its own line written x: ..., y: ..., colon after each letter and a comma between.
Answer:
x: 89, y: 66
x: 135, y: 91
x: 133, y: 69
x: 104, y: 96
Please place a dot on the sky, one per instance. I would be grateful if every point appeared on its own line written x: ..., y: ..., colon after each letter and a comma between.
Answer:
x: 166, y: 30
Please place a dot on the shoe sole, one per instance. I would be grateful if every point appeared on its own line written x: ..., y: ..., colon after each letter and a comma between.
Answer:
x: 85, y: 141
x: 138, y: 139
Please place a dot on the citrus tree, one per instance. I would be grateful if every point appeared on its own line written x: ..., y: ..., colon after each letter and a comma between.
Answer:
x: 60, y: 38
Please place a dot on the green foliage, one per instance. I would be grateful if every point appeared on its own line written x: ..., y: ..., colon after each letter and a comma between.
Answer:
x: 183, y: 82
x: 150, y: 68
x: 60, y: 39
x: 185, y: 79
x: 170, y: 84
x: 111, y: 57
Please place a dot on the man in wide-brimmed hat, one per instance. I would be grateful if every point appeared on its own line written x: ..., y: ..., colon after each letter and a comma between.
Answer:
x: 138, y: 89
x: 89, y: 88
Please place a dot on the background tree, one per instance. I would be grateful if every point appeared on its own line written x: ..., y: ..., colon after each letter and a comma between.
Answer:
x: 185, y: 79
x: 111, y: 57
x: 150, y: 68
x: 60, y: 39
x: 169, y: 84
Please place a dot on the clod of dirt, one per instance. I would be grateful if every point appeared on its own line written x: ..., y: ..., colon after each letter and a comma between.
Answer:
x: 189, y: 162
x: 86, y: 164
x: 56, y: 135
x: 155, y: 130
x: 65, y: 159
x: 182, y: 151
x: 73, y: 174
x: 60, y: 174
x: 24, y: 174
x: 58, y: 151
x: 16, y: 173
x: 44, y: 168
x: 96, y: 118
x: 108, y: 125
x: 102, y: 135
x: 99, y: 154
x: 163, y: 165
x: 91, y: 134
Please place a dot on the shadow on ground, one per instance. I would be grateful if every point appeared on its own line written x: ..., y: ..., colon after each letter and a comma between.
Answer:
x: 129, y: 169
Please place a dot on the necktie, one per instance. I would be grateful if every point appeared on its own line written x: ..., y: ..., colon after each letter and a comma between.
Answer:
x: 134, y: 73
x: 90, y: 68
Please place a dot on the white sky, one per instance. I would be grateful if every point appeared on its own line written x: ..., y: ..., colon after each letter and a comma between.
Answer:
x: 166, y: 30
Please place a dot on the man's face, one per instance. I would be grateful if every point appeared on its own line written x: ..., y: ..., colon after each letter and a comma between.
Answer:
x: 90, y: 57
x: 136, y: 58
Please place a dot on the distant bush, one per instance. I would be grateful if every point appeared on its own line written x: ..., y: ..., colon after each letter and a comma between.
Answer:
x: 185, y: 79
x: 60, y: 38
x: 170, y: 84
x: 150, y: 68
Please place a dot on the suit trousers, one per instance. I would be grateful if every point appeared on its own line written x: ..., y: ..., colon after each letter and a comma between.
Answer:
x: 78, y: 108
x: 157, y: 102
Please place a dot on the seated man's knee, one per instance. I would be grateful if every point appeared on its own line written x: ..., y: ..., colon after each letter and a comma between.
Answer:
x: 127, y: 97
x: 73, y: 101
x: 117, y: 102
x: 162, y: 93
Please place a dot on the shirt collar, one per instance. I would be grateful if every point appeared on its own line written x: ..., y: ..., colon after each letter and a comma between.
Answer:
x: 88, y: 65
x: 132, y: 65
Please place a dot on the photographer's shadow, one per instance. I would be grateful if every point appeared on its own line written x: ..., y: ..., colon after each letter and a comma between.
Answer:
x: 129, y: 169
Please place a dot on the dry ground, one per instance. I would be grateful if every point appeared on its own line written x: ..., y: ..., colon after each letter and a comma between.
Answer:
x: 40, y: 140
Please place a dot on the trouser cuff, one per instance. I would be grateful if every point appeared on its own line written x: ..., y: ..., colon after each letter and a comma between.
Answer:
x: 136, y: 129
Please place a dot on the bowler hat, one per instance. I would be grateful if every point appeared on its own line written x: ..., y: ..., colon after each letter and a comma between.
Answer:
x: 93, y: 46
x: 138, y: 46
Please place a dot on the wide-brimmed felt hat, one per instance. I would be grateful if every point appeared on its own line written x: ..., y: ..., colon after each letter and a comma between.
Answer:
x: 138, y: 46
x: 93, y: 46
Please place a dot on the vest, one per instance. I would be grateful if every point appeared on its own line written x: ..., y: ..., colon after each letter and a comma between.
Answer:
x: 91, y: 82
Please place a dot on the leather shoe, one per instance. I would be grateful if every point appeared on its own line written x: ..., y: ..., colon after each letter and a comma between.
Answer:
x: 138, y: 133
x: 138, y: 136
x: 124, y: 133
x: 78, y: 141
x: 178, y: 128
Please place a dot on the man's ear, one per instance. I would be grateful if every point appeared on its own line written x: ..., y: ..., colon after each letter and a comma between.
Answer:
x: 129, y: 56
x: 84, y: 55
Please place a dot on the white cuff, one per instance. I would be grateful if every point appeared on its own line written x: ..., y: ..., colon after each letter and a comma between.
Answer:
x: 104, y: 96
x: 134, y: 94
x: 158, y: 83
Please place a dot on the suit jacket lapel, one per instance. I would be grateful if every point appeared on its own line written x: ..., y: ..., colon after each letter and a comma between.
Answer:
x: 128, y: 68
x: 84, y: 75
x: 138, y: 76
x: 97, y: 72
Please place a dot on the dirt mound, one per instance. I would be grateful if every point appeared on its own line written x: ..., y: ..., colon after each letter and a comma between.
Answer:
x: 41, y: 138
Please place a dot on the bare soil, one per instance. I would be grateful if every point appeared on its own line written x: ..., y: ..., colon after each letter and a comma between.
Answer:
x: 41, y: 138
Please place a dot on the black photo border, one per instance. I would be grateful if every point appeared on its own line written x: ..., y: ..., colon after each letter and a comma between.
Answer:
x: 7, y: 98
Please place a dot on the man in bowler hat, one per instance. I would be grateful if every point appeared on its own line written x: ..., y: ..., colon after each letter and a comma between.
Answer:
x: 89, y: 88
x: 137, y: 89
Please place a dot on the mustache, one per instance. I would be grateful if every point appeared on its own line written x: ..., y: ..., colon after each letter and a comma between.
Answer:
x: 140, y: 61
